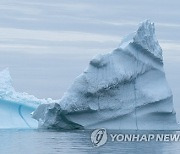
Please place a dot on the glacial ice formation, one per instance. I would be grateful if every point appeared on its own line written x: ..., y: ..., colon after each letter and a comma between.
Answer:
x: 15, y: 107
x: 124, y: 89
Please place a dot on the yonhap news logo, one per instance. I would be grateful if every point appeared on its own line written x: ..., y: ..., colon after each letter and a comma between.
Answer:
x: 100, y: 136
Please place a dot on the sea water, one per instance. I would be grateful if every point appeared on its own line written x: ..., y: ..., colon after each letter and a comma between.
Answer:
x: 34, y: 141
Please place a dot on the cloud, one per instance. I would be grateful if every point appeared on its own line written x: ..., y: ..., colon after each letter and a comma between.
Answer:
x: 9, y: 33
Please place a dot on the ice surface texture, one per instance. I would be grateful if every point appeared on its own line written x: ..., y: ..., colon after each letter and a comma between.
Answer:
x: 124, y: 89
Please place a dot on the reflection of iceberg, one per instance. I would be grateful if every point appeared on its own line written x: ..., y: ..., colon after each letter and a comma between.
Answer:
x: 15, y: 108
x: 124, y: 89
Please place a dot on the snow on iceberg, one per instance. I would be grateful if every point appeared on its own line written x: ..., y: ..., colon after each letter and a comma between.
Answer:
x: 124, y: 89
x: 15, y: 107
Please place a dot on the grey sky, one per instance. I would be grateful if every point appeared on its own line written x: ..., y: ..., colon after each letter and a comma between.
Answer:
x: 47, y: 43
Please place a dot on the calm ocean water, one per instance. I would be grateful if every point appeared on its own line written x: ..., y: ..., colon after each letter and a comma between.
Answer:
x: 77, y: 142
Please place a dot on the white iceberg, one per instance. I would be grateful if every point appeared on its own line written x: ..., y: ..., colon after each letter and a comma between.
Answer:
x: 124, y: 89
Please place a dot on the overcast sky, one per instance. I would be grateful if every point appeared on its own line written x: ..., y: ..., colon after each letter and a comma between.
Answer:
x: 47, y: 43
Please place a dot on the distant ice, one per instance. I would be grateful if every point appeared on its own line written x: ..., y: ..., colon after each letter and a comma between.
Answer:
x: 15, y: 107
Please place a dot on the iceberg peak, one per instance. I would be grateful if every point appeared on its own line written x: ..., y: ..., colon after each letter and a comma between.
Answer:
x: 146, y: 28
x: 145, y: 37
x: 5, y: 80
x: 6, y: 74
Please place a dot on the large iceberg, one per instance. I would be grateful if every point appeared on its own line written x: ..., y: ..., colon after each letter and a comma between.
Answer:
x: 124, y: 89
x: 15, y: 107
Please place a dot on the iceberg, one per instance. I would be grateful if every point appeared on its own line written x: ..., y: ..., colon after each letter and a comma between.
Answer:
x: 15, y: 107
x: 124, y: 89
